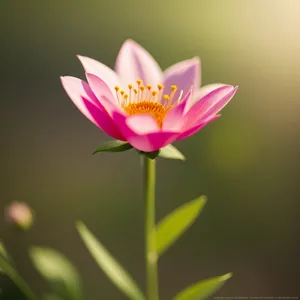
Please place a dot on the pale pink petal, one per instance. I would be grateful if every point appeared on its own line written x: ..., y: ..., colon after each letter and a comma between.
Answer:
x: 204, y: 90
x: 187, y: 133
x: 99, y: 87
x: 103, y: 120
x: 185, y: 75
x: 174, y: 120
x: 144, y: 142
x: 95, y: 67
x: 142, y: 124
x: 210, y: 99
x: 200, y: 109
x: 134, y: 62
x: 103, y: 93
x: 76, y: 89
x: 214, y: 109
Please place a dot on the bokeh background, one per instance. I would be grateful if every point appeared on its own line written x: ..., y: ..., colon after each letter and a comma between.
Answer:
x: 247, y: 162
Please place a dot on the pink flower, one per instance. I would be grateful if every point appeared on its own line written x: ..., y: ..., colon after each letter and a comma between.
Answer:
x: 142, y: 105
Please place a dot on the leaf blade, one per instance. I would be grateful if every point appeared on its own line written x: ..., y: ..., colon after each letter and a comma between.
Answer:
x: 170, y: 228
x: 203, y: 289
x: 171, y: 152
x: 60, y: 273
x: 109, y: 265
x: 51, y: 297
x: 12, y: 273
x: 113, y: 146
x: 3, y: 252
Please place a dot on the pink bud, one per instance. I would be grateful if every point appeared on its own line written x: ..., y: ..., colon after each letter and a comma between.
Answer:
x: 19, y: 214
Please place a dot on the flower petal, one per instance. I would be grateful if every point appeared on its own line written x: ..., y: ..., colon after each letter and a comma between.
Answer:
x: 141, y: 140
x: 134, y: 62
x: 76, y: 89
x: 187, y: 133
x: 174, y: 119
x: 204, y: 90
x: 152, y: 141
x: 209, y: 105
x: 103, y: 93
x: 103, y: 120
x: 142, y: 124
x: 95, y: 67
x: 217, y: 106
x: 185, y: 75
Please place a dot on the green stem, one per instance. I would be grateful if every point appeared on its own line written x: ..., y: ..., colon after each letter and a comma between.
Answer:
x: 17, y: 279
x: 151, y: 255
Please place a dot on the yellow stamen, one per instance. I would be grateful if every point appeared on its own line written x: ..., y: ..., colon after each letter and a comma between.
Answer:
x: 154, y: 93
x: 160, y: 90
x: 144, y: 100
x: 125, y: 98
x: 129, y: 87
x: 148, y: 94
x: 174, y: 88
x: 142, y: 88
x: 117, y: 89
x: 135, y: 94
x: 167, y: 97
x: 157, y: 110
x: 139, y: 82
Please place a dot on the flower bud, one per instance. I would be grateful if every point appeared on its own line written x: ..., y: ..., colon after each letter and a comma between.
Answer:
x: 20, y: 215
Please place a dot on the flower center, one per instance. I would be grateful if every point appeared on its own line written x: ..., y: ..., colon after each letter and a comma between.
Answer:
x: 157, y: 110
x: 145, y: 100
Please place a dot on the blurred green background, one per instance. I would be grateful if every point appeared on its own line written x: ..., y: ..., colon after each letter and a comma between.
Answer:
x: 247, y: 162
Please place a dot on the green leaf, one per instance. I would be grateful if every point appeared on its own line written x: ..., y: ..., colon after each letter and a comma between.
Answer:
x: 171, y: 227
x: 61, y: 275
x: 3, y: 252
x: 113, y: 146
x: 11, y: 272
x: 109, y: 265
x: 5, y: 256
x: 51, y: 297
x: 171, y: 152
x: 203, y: 289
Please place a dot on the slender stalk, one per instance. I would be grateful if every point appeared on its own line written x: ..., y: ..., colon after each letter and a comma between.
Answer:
x: 17, y: 279
x: 151, y: 255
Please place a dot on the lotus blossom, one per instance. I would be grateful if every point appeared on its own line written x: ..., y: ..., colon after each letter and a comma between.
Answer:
x: 141, y: 104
